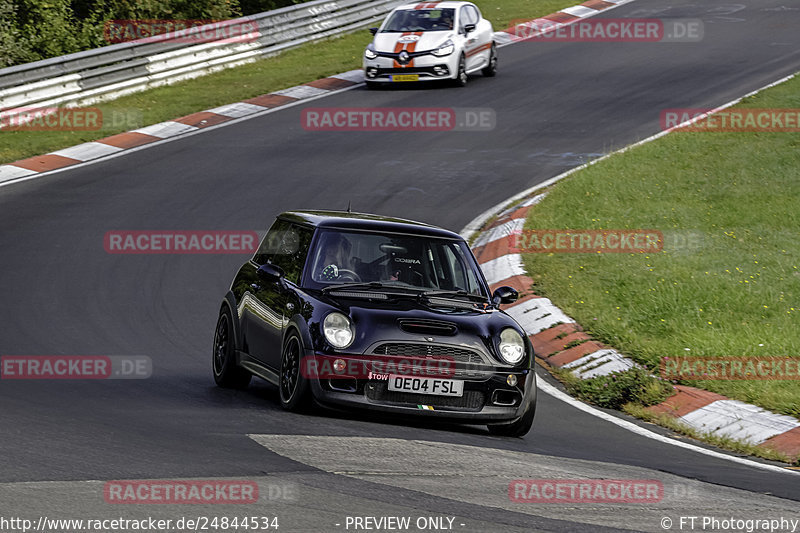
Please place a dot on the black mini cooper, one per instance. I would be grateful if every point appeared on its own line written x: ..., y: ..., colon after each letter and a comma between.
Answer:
x: 350, y: 310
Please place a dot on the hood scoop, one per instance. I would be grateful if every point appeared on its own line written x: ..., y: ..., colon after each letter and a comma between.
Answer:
x: 428, y: 327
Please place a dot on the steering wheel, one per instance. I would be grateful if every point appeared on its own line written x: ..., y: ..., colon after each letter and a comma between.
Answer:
x: 344, y: 273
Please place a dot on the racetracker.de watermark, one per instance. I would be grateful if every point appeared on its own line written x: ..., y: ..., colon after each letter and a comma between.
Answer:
x: 22, y: 367
x: 731, y: 120
x: 398, y: 119
x: 608, y: 30
x: 181, y: 492
x: 181, y: 31
x: 730, y: 368
x: 380, y: 368
x: 180, y: 242
x: 586, y: 491
x: 587, y: 241
x: 68, y: 119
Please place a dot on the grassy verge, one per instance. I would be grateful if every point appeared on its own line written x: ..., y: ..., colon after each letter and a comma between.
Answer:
x: 294, y: 67
x: 727, y: 283
x: 721, y: 442
x: 618, y: 389
x: 635, y: 390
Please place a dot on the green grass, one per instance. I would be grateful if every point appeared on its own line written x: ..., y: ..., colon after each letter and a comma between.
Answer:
x: 293, y: 67
x: 734, y: 292
x: 633, y: 391
x: 615, y: 390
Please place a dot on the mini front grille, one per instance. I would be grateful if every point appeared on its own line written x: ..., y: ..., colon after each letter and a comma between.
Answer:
x: 413, y: 349
x: 379, y: 392
x: 467, y: 362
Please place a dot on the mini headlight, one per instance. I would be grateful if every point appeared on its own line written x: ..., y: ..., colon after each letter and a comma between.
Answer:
x: 338, y: 330
x: 511, y: 346
x: 369, y: 53
x: 445, y: 50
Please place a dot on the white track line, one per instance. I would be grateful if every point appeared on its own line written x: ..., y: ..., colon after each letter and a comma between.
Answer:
x: 470, y: 229
x: 630, y: 426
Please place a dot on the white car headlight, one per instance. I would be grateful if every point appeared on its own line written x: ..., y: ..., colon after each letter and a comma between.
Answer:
x: 369, y: 53
x: 338, y: 330
x: 511, y: 346
x: 445, y: 50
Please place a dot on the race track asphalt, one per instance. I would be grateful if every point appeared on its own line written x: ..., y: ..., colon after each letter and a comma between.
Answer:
x: 557, y: 105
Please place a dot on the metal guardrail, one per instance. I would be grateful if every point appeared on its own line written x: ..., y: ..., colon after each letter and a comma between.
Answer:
x: 103, y: 73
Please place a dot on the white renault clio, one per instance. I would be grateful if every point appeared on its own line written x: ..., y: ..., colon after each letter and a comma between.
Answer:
x: 431, y: 41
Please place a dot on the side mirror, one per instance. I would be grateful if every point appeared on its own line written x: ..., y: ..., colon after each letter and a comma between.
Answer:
x: 505, y: 295
x: 373, y: 31
x: 469, y: 28
x: 270, y: 273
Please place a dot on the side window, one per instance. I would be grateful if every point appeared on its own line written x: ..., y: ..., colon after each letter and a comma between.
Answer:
x: 463, y: 277
x: 469, y: 15
x: 463, y: 18
x: 458, y: 280
x: 286, y: 246
x: 474, y: 14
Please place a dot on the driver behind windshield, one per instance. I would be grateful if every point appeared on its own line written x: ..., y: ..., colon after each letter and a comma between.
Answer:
x: 421, y: 20
x: 336, y: 257
x: 367, y: 259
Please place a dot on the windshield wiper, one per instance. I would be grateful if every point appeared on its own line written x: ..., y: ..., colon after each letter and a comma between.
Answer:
x: 359, y: 285
x: 473, y: 297
x: 367, y: 285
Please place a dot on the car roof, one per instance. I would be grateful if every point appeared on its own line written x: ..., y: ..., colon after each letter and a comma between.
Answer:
x: 366, y: 221
x: 433, y: 5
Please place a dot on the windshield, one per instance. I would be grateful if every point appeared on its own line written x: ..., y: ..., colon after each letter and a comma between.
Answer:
x: 420, y: 20
x: 402, y: 261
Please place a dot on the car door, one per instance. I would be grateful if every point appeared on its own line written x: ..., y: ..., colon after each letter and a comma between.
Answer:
x: 266, y: 311
x: 485, y: 36
x: 475, y: 45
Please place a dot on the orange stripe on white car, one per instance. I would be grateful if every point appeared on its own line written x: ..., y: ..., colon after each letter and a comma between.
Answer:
x: 478, y: 49
x: 408, y: 47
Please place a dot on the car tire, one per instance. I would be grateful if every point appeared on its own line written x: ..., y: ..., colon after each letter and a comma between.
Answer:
x: 372, y: 85
x: 293, y: 386
x: 518, y: 428
x: 490, y: 70
x: 461, y: 75
x: 227, y: 373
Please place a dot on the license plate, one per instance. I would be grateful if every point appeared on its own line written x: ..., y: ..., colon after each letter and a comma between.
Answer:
x: 405, y: 77
x: 439, y: 387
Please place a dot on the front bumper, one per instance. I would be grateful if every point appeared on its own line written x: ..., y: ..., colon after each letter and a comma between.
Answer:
x: 486, y: 399
x: 427, y: 68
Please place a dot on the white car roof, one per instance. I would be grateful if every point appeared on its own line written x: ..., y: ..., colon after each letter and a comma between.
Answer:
x: 434, y: 5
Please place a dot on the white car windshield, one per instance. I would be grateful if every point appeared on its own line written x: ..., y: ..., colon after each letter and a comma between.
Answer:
x: 420, y: 20
x: 407, y: 261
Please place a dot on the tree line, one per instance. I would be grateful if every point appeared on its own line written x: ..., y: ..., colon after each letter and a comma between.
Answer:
x: 31, y: 30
